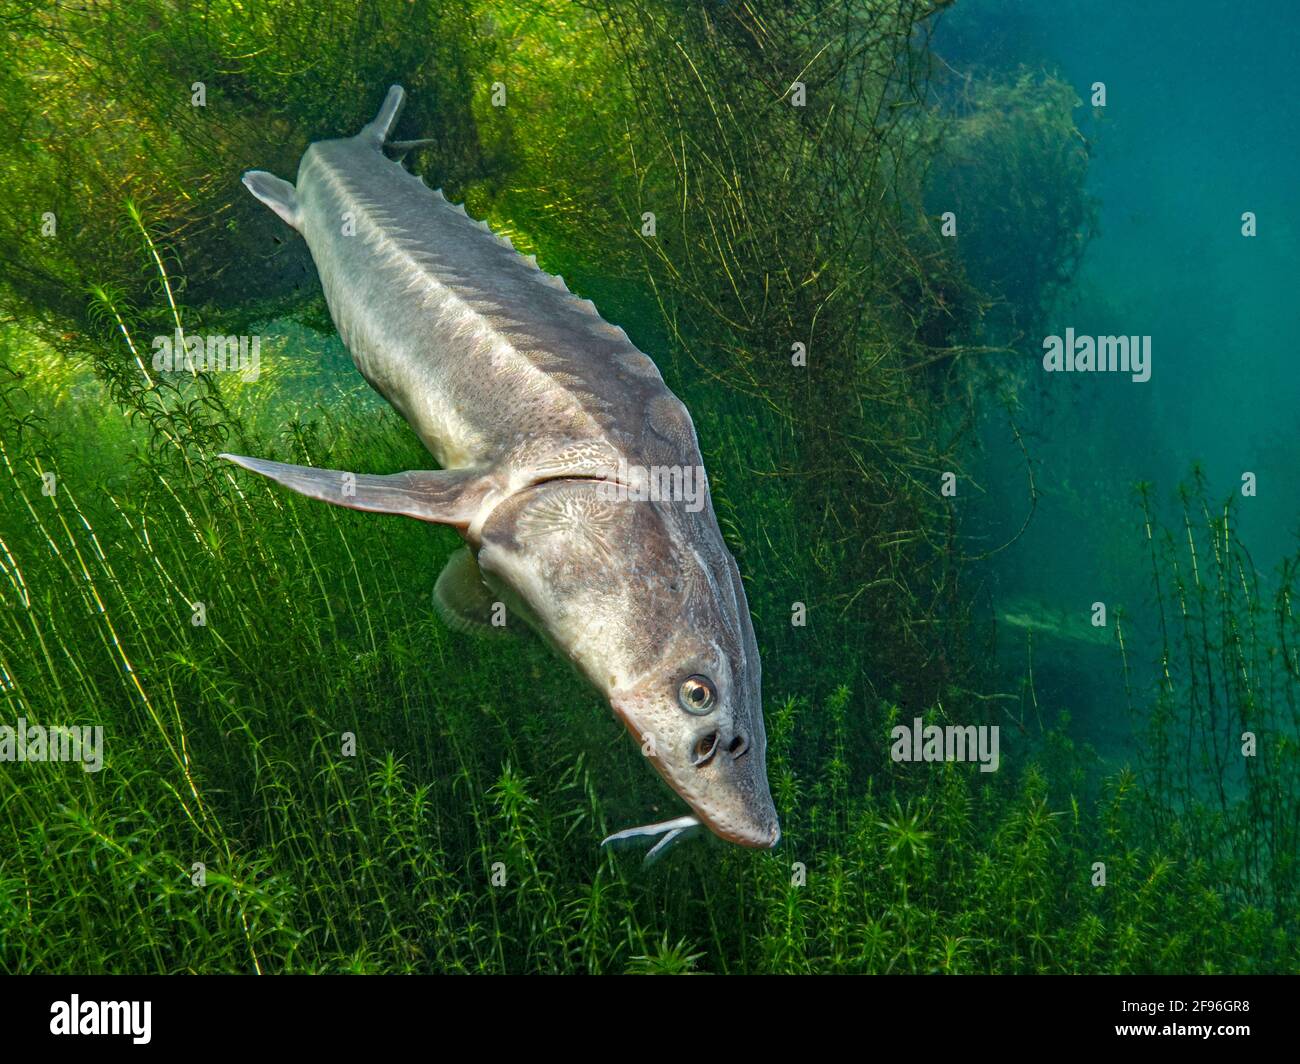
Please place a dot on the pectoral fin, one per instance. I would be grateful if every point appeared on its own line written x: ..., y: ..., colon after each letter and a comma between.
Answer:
x: 277, y: 194
x: 444, y: 496
x: 463, y: 600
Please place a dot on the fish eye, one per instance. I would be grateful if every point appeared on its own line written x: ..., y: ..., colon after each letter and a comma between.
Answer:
x: 697, y: 695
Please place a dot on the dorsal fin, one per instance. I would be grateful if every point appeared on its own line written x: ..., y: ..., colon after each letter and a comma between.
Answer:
x: 376, y: 131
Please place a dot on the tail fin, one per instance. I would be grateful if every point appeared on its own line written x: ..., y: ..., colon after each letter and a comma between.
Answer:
x: 377, y: 130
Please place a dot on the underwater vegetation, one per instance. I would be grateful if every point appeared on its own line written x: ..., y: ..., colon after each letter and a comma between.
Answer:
x: 1013, y: 166
x: 367, y: 791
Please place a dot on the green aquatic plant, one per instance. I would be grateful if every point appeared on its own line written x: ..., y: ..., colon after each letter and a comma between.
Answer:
x: 167, y: 103
x: 1012, y: 167
x: 1222, y: 731
x: 385, y: 862
x: 676, y: 959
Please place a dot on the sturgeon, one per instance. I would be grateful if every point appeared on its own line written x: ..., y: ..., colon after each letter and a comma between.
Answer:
x: 570, y: 470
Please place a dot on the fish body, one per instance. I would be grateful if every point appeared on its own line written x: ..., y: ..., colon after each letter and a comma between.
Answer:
x: 570, y: 469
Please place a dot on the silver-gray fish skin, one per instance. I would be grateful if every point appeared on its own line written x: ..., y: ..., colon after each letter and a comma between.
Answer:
x: 537, y: 408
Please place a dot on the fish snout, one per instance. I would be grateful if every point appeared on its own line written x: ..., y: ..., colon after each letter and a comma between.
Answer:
x: 734, y: 798
x: 729, y: 792
x: 717, y: 766
x: 761, y: 835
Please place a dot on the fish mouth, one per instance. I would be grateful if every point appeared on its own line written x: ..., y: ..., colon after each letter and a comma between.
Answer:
x: 755, y: 835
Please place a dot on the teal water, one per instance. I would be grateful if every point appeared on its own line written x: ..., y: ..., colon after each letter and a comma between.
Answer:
x: 1201, y: 124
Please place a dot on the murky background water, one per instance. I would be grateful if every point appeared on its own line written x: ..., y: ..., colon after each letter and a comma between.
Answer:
x: 1201, y: 124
